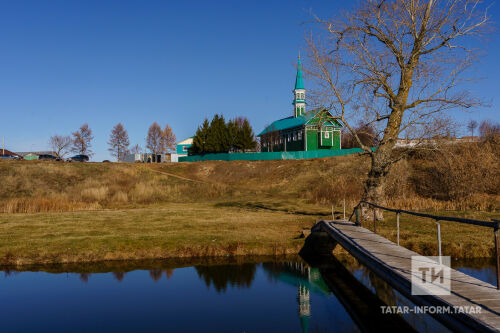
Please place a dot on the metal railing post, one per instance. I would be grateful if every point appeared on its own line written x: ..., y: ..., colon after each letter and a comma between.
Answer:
x: 497, y: 254
x: 374, y: 220
x: 397, y: 226
x: 439, y: 239
x: 344, y: 209
x: 357, y: 215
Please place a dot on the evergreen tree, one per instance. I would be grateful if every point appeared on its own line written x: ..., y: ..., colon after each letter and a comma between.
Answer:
x: 246, y: 137
x: 221, y: 137
x: 200, y: 139
x: 233, y: 132
x: 218, y: 136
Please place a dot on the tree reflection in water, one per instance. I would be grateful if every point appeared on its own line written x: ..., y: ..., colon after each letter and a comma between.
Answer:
x: 156, y: 274
x: 84, y: 277
x: 119, y: 276
x: 221, y: 276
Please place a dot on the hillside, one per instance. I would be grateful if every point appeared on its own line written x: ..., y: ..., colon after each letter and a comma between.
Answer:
x: 72, y: 212
x: 450, y: 179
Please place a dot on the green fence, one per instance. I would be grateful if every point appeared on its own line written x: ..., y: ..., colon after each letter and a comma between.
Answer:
x: 284, y: 155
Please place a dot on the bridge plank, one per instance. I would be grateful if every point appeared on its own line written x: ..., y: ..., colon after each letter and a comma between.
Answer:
x: 393, y: 264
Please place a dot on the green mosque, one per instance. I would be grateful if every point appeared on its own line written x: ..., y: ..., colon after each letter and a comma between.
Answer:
x: 304, y: 130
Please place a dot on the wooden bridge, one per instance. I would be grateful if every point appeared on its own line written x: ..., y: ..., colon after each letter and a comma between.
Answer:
x: 392, y: 263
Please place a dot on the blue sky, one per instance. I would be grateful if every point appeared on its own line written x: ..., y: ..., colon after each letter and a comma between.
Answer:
x: 64, y: 63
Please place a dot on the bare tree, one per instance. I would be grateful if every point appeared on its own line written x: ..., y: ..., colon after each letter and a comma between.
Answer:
x: 118, y: 142
x: 60, y: 144
x: 136, y: 149
x: 82, y: 139
x: 471, y: 126
x: 489, y: 129
x: 154, y: 140
x: 396, y: 65
x: 168, y: 139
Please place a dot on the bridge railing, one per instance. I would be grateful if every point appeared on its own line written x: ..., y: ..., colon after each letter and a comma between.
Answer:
x: 495, y: 225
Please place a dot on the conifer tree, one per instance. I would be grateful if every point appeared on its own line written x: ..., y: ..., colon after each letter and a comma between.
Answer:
x: 233, y: 134
x: 221, y: 137
x: 199, y: 145
x: 246, y: 137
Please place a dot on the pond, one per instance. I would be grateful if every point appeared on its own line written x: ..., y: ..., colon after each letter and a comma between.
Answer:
x: 210, y: 295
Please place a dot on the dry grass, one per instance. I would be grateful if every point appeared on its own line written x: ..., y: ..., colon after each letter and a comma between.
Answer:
x: 456, y: 177
x: 99, y: 211
x: 459, y: 240
x: 35, y: 186
x: 179, y: 230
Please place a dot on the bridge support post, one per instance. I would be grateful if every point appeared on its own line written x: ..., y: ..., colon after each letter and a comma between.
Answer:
x: 357, y: 216
x: 439, y: 239
x: 397, y: 226
x: 374, y: 220
x: 318, y: 243
x: 497, y: 254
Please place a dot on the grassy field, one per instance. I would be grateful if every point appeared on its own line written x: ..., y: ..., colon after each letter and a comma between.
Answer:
x: 70, y: 212
x: 178, y: 230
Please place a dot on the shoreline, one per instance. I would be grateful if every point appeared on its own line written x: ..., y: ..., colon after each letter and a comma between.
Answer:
x: 233, y: 253
x: 126, y: 265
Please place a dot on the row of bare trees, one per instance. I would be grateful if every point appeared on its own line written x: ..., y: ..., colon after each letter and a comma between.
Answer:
x: 158, y: 141
x: 79, y: 142
x: 487, y: 128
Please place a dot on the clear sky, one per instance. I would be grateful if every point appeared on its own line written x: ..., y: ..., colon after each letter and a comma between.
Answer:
x: 64, y: 63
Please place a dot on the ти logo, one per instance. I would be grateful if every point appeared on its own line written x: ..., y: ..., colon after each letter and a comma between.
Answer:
x: 430, y: 275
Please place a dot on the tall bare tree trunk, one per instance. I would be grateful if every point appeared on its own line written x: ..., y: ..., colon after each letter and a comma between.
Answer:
x: 382, y: 160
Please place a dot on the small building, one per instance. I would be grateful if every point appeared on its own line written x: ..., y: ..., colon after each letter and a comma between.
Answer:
x: 6, y: 152
x: 131, y: 158
x: 147, y: 158
x: 31, y: 156
x: 182, y: 148
x: 313, y: 130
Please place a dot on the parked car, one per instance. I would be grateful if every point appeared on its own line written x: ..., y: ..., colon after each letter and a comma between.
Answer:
x: 78, y: 158
x: 48, y: 157
x: 9, y: 157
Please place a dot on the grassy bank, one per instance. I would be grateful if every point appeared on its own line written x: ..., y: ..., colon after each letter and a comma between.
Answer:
x: 179, y: 230
x: 184, y: 230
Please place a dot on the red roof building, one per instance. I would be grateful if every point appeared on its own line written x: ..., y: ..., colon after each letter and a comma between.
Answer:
x: 8, y: 152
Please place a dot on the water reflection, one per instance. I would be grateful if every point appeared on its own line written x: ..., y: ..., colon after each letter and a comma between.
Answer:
x: 234, y: 294
x: 118, y: 276
x: 304, y: 278
x: 222, y: 276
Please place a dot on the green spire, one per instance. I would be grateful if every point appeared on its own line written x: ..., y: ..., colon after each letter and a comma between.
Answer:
x: 299, y: 84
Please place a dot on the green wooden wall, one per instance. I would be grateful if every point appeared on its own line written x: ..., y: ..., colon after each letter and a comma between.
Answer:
x: 313, y: 141
x: 288, y: 155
